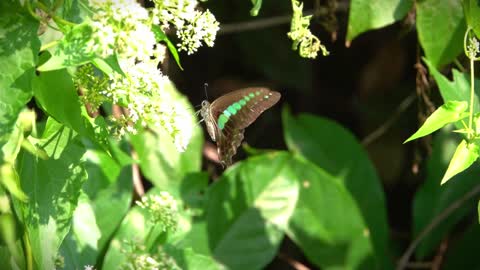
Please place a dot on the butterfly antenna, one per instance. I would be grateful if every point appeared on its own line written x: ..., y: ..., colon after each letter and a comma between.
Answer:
x: 205, y: 86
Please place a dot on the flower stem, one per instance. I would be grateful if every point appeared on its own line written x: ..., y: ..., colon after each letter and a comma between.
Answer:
x: 472, y: 92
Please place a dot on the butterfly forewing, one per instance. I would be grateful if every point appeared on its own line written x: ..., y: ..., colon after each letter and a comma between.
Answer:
x: 235, y: 111
x: 253, y: 102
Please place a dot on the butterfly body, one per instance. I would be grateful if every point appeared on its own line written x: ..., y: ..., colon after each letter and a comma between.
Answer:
x: 227, y: 117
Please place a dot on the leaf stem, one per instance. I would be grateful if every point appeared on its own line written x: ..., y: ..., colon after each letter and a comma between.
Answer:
x: 28, y: 251
x: 48, y: 45
x: 472, y: 92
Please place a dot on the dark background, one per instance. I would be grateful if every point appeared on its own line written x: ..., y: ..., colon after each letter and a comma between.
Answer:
x: 360, y: 87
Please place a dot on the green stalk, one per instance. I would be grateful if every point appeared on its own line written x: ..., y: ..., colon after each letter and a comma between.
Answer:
x: 28, y: 251
x: 472, y: 92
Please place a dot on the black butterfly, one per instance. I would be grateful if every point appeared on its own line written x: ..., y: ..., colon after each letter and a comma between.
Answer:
x: 228, y: 116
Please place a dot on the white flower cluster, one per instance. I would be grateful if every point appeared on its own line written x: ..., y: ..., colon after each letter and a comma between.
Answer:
x: 193, y: 26
x: 473, y: 48
x: 148, y: 96
x: 163, y: 210
x: 139, y: 259
x: 123, y: 28
x: 146, y: 262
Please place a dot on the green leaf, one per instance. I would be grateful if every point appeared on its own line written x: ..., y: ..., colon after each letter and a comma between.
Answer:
x: 257, y: 4
x: 137, y: 226
x: 108, y: 198
x: 71, y: 49
x: 109, y: 65
x: 9, y: 235
x: 161, y: 36
x: 19, y: 46
x: 368, y: 15
x: 464, y: 156
x: 189, y: 259
x: 56, y: 95
x: 327, y: 224
x: 53, y: 187
x: 162, y: 163
x: 9, y: 179
x: 450, y: 112
x: 463, y: 252
x: 337, y: 151
x: 440, y: 27
x: 12, y: 147
x: 458, y: 89
x: 111, y: 203
x: 80, y: 245
x: 471, y: 8
x: 248, y: 209
x: 431, y: 199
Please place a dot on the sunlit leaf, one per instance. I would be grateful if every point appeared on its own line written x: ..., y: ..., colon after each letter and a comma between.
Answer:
x: 19, y: 46
x: 368, y: 15
x: 464, y: 156
x: 450, y: 112
x: 471, y: 9
x: 440, y: 26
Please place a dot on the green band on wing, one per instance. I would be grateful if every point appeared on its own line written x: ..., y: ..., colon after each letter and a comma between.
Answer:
x: 237, y: 106
x: 232, y: 110
x: 222, y: 120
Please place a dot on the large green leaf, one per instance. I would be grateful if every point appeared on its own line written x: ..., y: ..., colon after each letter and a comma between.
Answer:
x: 450, y: 112
x: 80, y: 245
x: 106, y: 201
x: 367, y: 15
x: 71, y: 49
x: 338, y: 152
x: 465, y: 155
x: 456, y: 90
x: 327, y: 224
x: 19, y: 46
x: 471, y: 8
x: 441, y: 26
x: 248, y: 208
x: 53, y: 187
x: 57, y: 96
x: 432, y: 199
x: 191, y: 260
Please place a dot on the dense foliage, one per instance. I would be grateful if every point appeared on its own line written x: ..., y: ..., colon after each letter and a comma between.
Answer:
x: 88, y: 111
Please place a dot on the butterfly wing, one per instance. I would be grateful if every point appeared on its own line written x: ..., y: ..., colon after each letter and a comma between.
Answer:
x: 234, y: 112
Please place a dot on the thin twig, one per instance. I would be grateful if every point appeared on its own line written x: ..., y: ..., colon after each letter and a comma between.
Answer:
x: 434, y: 223
x: 137, y: 179
x: 258, y: 24
x: 385, y: 126
x: 292, y: 262
x: 419, y: 265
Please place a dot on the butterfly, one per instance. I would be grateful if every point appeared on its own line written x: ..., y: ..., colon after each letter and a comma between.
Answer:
x: 227, y: 117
